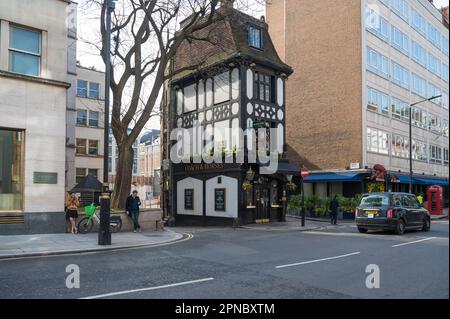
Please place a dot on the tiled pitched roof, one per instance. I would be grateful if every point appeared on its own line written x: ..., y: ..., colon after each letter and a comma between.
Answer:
x: 226, y: 38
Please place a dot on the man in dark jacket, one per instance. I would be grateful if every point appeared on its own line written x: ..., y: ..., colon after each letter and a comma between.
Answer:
x: 334, y: 206
x: 132, y: 207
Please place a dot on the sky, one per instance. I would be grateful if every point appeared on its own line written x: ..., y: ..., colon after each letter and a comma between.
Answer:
x: 441, y: 3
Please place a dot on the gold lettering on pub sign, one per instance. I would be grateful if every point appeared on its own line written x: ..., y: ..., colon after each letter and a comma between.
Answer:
x: 203, y: 167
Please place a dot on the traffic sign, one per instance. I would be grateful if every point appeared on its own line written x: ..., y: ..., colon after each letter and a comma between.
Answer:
x: 304, y: 172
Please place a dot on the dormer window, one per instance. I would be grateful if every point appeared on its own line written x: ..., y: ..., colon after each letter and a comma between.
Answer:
x: 255, y: 37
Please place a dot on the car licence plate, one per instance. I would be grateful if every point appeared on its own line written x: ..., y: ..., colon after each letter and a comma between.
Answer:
x: 370, y: 215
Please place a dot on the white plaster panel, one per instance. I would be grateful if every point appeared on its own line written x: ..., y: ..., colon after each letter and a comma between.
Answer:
x: 231, y: 200
x: 249, y: 84
x: 190, y: 183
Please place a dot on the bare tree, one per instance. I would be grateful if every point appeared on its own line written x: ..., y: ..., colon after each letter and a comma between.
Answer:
x: 145, y: 38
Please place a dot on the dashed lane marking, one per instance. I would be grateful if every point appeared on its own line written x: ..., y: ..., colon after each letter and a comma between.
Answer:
x: 317, y: 260
x: 124, y: 292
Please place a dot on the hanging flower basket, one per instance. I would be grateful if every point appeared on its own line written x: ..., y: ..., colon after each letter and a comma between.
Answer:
x: 247, y: 186
x: 291, y: 186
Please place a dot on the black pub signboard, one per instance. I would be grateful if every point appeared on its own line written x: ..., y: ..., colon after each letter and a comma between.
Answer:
x: 219, y: 199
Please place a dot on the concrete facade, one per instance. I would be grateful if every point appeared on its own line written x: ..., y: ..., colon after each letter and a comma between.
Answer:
x: 328, y: 46
x: 36, y: 105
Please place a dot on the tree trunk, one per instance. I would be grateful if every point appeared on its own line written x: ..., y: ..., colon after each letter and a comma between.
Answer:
x: 124, y: 170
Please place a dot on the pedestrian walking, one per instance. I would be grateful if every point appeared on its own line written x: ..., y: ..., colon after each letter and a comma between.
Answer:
x: 132, y: 207
x: 72, y: 204
x: 334, y: 206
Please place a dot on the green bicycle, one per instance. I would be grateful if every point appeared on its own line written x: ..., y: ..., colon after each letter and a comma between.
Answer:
x: 92, y: 216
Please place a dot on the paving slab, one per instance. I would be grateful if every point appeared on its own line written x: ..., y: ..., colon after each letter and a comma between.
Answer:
x: 14, y: 246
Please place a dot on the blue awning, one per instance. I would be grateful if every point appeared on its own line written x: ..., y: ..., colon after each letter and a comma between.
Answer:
x: 334, y: 177
x: 404, y: 179
x: 429, y: 181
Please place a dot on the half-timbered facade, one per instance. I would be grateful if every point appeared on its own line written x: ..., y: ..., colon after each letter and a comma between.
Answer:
x: 238, y: 84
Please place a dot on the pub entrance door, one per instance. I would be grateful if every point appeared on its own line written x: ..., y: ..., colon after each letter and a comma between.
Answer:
x: 262, y: 195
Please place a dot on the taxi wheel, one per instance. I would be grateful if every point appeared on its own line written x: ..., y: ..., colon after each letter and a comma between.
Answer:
x: 400, y: 229
x: 426, y: 224
x: 362, y: 230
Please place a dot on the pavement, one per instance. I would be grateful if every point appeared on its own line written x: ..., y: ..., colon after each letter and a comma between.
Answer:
x: 14, y: 246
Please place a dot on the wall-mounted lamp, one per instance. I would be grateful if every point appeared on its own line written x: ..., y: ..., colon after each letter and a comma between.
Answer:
x: 250, y: 174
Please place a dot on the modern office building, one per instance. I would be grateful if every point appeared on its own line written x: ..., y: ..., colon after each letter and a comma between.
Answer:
x: 33, y: 102
x: 359, y: 65
x: 89, y: 124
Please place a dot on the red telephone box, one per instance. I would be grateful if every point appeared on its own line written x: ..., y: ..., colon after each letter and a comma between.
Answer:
x: 435, y: 196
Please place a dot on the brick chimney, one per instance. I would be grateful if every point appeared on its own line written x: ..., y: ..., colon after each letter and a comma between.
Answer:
x: 227, y: 4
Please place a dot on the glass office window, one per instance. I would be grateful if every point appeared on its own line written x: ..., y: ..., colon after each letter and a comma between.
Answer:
x: 377, y: 63
x: 401, y: 8
x: 377, y: 101
x: 94, y: 89
x: 24, y: 51
x: 418, y: 22
x: 419, y: 85
x: 399, y: 40
x: 445, y: 100
x: 434, y: 36
x: 418, y: 53
x: 11, y: 170
x: 444, y: 44
x: 400, y: 75
x: 93, y: 118
x: 82, y: 88
x: 444, y: 72
x: 377, y: 141
x: 400, y: 109
x: 446, y: 156
x: 434, y: 65
x: 376, y: 25
x: 81, y: 117
x: 433, y: 90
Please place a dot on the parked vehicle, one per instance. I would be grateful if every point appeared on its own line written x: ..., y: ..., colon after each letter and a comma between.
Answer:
x: 391, y: 211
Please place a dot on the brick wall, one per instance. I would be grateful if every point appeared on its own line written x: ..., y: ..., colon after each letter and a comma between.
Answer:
x: 323, y: 96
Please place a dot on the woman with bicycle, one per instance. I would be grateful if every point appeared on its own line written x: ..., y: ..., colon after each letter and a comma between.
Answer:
x: 72, y: 211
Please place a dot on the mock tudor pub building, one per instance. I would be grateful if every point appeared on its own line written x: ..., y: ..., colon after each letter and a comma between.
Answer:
x: 234, y: 80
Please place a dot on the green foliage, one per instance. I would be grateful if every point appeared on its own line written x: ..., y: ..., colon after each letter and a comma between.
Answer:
x: 294, y: 203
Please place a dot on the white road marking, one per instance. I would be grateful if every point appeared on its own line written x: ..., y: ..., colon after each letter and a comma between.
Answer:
x: 413, y: 242
x: 149, y: 288
x: 317, y: 260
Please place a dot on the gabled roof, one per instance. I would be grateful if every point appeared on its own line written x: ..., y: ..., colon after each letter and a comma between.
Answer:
x: 226, y: 38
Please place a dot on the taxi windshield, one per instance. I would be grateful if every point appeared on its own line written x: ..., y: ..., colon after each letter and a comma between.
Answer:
x: 375, y: 200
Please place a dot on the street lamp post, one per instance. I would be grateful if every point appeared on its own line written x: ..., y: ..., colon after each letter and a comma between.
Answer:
x: 104, y: 235
x: 410, y: 139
